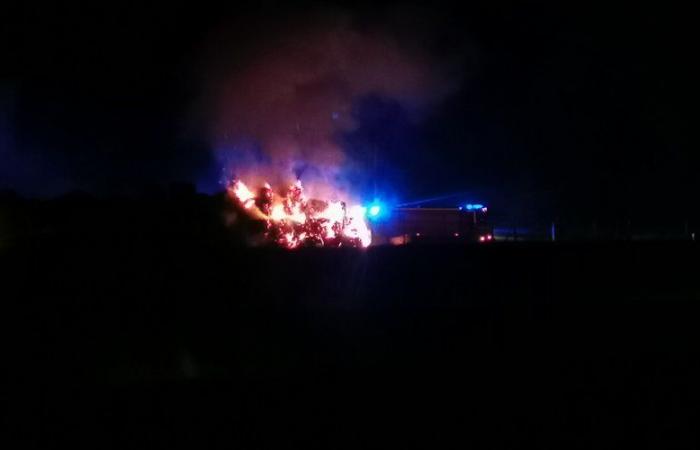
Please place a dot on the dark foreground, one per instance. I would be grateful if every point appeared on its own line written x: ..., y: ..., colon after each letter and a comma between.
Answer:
x: 527, y: 346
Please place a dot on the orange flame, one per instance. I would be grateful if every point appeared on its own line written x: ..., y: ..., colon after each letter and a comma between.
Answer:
x: 293, y: 221
x: 243, y: 194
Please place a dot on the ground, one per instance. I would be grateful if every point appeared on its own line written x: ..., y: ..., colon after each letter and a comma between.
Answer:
x: 178, y: 341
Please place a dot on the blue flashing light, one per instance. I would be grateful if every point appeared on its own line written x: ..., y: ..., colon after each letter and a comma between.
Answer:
x: 376, y: 210
x: 474, y: 206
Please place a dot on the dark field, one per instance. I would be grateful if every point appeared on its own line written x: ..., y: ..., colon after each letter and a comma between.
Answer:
x: 170, y: 342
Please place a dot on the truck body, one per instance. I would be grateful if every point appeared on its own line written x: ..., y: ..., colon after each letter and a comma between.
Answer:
x: 434, y: 225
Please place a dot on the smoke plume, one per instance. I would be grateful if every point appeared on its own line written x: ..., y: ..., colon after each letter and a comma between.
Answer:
x: 282, y: 108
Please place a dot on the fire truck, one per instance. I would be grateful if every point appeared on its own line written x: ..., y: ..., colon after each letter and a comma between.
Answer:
x: 434, y: 225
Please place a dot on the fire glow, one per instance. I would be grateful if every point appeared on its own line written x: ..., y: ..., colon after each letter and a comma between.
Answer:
x: 292, y: 220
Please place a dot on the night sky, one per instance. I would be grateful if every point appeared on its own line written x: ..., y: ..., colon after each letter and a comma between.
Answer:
x: 583, y: 110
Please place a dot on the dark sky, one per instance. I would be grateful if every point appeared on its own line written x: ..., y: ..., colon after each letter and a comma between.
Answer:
x: 582, y: 109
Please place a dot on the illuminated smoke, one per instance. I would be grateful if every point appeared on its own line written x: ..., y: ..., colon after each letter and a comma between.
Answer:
x: 281, y: 110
